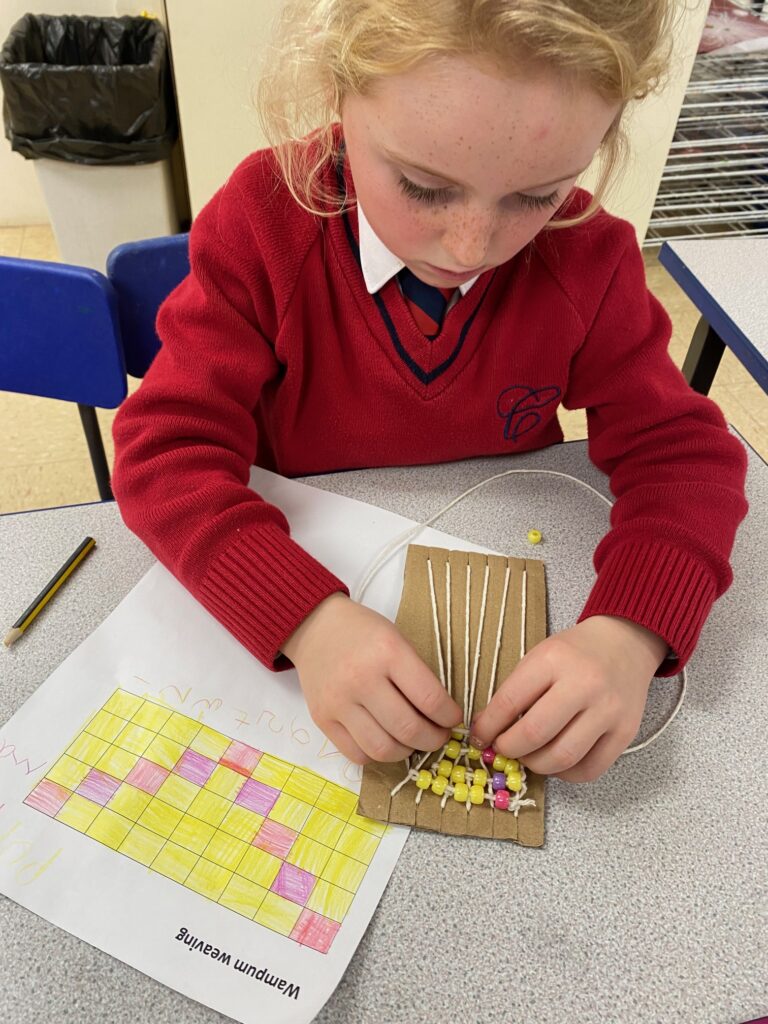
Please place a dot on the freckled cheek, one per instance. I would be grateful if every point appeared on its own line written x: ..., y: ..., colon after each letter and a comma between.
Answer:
x: 515, y: 234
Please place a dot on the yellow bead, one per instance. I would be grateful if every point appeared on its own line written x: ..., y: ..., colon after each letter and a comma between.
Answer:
x: 499, y: 763
x: 514, y: 781
x: 439, y: 785
x: 476, y: 794
x: 534, y: 536
x: 457, y: 733
x: 474, y: 754
x: 445, y: 768
x: 459, y: 773
x: 480, y: 777
x: 453, y: 749
x: 424, y: 779
x: 461, y: 792
x: 513, y: 765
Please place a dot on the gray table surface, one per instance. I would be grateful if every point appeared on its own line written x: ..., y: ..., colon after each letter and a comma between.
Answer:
x: 647, y: 902
x: 734, y: 272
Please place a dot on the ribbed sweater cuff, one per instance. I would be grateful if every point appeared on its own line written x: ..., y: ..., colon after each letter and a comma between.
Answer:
x: 263, y: 587
x: 657, y: 586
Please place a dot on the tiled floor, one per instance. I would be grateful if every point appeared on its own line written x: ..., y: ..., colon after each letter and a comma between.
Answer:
x: 45, y: 461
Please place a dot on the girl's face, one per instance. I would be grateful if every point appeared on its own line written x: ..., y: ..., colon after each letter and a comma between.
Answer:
x: 457, y: 166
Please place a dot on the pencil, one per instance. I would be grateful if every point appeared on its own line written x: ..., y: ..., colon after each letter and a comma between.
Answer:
x: 45, y: 595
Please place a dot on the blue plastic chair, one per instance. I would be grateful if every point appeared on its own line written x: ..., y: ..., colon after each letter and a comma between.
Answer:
x: 60, y: 338
x: 143, y: 274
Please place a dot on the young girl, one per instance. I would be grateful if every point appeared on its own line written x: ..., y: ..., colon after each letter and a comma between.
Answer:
x: 390, y: 289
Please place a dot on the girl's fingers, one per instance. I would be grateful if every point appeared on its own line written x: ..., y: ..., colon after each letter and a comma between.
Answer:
x: 423, y: 689
x: 599, y: 759
x: 344, y: 743
x: 569, y: 748
x: 371, y: 738
x: 402, y: 721
x: 541, y: 725
x: 516, y: 694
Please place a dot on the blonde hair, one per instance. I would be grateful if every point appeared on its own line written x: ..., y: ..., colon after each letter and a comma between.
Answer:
x: 327, y: 49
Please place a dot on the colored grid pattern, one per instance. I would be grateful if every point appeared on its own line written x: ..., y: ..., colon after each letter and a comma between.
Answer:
x: 265, y: 838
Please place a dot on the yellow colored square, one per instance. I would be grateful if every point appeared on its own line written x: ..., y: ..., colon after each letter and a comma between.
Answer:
x: 193, y: 834
x: 259, y: 866
x: 376, y: 828
x: 110, y: 828
x: 180, y: 728
x: 243, y: 896
x: 226, y: 851
x: 208, y: 879
x: 323, y: 827
x: 78, y: 812
x: 161, y: 818
x: 337, y: 800
x: 178, y: 792
x: 68, y: 772
x: 225, y: 782
x: 278, y: 913
x: 134, y: 738
x: 329, y: 900
x: 174, y: 862
x: 343, y: 871
x: 272, y: 771
x: 117, y: 762
x: 306, y: 853
x: 104, y: 725
x: 304, y: 784
x: 88, y: 749
x: 151, y: 716
x: 164, y: 752
x: 358, y: 844
x: 210, y: 743
x: 209, y: 807
x: 290, y: 812
x: 141, y: 845
x: 242, y: 823
x: 123, y: 704
x: 129, y: 801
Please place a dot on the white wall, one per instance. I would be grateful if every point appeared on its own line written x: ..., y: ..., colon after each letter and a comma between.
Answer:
x: 21, y: 199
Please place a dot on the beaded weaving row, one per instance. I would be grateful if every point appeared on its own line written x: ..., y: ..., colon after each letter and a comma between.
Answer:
x: 459, y: 770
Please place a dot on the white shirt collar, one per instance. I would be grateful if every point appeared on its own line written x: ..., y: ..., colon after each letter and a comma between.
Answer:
x: 378, y: 263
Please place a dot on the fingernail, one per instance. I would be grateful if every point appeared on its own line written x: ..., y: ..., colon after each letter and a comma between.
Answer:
x: 476, y: 741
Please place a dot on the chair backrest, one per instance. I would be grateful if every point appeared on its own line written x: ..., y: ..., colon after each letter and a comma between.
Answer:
x: 143, y: 274
x: 59, y: 333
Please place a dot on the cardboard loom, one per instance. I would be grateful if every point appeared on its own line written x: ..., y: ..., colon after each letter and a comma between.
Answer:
x: 415, y: 619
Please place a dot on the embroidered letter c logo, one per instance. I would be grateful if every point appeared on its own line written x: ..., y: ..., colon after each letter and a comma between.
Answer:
x: 518, y: 406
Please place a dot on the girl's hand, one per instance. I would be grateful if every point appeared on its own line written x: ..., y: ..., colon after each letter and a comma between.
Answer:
x: 581, y: 694
x: 365, y: 686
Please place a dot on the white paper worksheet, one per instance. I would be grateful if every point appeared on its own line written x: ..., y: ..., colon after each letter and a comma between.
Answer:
x: 187, y: 815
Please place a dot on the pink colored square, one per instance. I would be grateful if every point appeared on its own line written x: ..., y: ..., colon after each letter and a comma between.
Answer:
x: 240, y: 757
x: 275, y: 838
x: 147, y: 776
x: 48, y: 797
x: 99, y: 787
x: 257, y: 797
x: 315, y: 931
x: 195, y: 767
x: 295, y: 884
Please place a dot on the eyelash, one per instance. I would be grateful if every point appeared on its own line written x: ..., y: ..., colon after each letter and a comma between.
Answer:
x: 440, y: 195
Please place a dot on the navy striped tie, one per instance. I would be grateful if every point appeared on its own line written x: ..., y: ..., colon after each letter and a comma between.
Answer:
x: 426, y: 302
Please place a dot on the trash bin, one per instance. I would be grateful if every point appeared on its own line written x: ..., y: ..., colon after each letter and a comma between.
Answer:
x: 91, y: 101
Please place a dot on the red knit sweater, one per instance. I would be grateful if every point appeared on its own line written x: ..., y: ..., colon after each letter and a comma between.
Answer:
x: 274, y: 352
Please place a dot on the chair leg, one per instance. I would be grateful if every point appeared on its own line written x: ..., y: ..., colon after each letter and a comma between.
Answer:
x: 96, y: 450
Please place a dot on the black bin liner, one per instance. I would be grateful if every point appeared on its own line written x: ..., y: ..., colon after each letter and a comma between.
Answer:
x: 88, y: 90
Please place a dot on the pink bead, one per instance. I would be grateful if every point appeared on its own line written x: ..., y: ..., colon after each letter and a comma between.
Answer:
x: 498, y: 781
x: 501, y: 800
x: 488, y: 755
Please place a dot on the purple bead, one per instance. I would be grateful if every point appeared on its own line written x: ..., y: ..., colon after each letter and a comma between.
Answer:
x: 499, y: 781
x: 488, y: 755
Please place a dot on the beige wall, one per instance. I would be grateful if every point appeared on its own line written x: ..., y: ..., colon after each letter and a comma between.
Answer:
x: 21, y: 199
